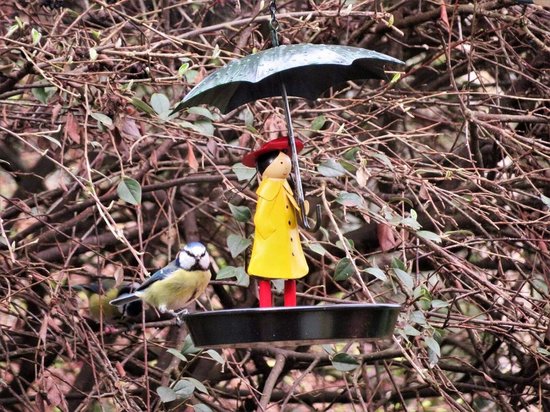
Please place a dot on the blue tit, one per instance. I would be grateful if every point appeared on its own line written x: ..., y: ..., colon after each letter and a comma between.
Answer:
x: 100, y: 294
x: 177, y: 284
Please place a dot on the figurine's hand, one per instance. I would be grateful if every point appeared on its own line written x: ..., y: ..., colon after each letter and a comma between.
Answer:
x: 306, y: 207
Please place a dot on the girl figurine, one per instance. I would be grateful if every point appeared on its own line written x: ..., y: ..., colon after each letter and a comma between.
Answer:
x: 277, y: 252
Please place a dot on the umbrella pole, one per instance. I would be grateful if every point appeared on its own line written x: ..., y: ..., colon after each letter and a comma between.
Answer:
x: 296, y: 166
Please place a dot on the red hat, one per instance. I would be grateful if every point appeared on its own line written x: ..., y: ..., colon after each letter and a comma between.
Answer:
x: 279, y: 144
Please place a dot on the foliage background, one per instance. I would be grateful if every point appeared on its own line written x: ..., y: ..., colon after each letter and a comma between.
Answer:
x: 434, y: 191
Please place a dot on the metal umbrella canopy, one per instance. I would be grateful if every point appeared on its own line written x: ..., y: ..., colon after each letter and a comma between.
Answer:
x: 306, y: 70
x: 302, y: 70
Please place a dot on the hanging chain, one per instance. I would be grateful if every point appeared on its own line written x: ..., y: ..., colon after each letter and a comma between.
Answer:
x: 274, y: 24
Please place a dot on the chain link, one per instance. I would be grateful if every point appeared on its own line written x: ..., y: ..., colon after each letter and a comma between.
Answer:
x: 274, y: 23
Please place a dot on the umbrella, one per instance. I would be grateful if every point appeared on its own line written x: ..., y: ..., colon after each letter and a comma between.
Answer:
x: 302, y: 70
x: 306, y: 70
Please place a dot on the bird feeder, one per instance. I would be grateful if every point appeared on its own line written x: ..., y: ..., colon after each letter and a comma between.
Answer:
x: 301, y: 70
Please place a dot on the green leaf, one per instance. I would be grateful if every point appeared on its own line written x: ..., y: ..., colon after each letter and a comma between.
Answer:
x: 242, y: 278
x: 331, y: 168
x: 437, y: 304
x: 197, y: 384
x: 216, y: 356
x: 318, y: 122
x: 433, y: 345
x: 344, y: 362
x: 377, y: 273
x: 41, y: 94
x: 410, y: 331
x: 201, y: 407
x: 228, y: 272
x: 166, y: 394
x: 36, y: 36
x: 177, y: 354
x: 426, y: 234
x: 343, y: 270
x: 349, y: 244
x: 188, y: 346
x: 141, y: 105
x: 191, y: 76
x: 398, y: 263
x: 204, y: 127
x: 349, y: 199
x: 350, y: 154
x: 545, y: 200
x: 543, y: 351
x: 418, y: 317
x: 183, y: 68
x: 405, y: 278
x: 395, y: 78
x: 243, y: 172
x: 160, y: 103
x: 103, y: 119
x: 204, y: 112
x: 93, y: 54
x: 184, y: 389
x: 383, y: 159
x: 53, y: 140
x: 240, y: 213
x: 129, y: 190
x: 237, y: 244
x: 317, y: 248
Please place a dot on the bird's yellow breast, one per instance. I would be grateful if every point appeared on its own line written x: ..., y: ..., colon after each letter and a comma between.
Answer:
x: 177, y: 290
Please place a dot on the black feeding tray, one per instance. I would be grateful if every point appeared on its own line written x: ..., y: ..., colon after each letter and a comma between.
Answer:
x: 298, y: 325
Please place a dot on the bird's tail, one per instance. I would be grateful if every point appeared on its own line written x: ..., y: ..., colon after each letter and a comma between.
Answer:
x: 125, y: 299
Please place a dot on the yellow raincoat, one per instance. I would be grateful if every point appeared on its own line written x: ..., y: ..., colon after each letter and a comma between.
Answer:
x: 277, y: 251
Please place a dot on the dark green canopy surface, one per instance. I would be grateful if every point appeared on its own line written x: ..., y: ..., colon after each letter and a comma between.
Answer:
x: 307, y: 70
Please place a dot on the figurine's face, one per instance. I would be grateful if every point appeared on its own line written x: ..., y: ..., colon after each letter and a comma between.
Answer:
x: 278, y: 169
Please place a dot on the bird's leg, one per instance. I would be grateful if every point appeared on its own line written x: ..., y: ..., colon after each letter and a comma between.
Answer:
x: 178, y: 315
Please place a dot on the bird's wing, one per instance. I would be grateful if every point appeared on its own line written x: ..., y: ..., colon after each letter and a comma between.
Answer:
x: 158, y: 275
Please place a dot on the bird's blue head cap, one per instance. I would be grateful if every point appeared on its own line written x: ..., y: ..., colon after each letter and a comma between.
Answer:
x: 193, y: 256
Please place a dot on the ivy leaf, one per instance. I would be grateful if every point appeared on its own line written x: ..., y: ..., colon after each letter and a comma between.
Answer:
x: 141, y: 105
x: 433, y: 345
x: 317, y: 248
x: 343, y: 270
x: 188, y: 346
x: 197, y: 384
x: 318, y: 122
x: 437, y: 304
x: 240, y: 213
x: 349, y: 199
x: 426, y: 234
x: 93, y: 54
x: 344, y: 362
x: 177, y: 354
x: 36, y: 36
x: 129, y: 190
x: 331, y: 168
x: 166, y: 394
x: 184, y: 389
x: 228, y: 272
x: 238, y: 273
x: 103, y: 119
x: 237, y: 244
x: 243, y: 172
x: 405, y: 278
x: 411, y: 331
x: 204, y: 112
x: 201, y: 407
x: 160, y: 103
x: 216, y: 356
x: 377, y: 273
